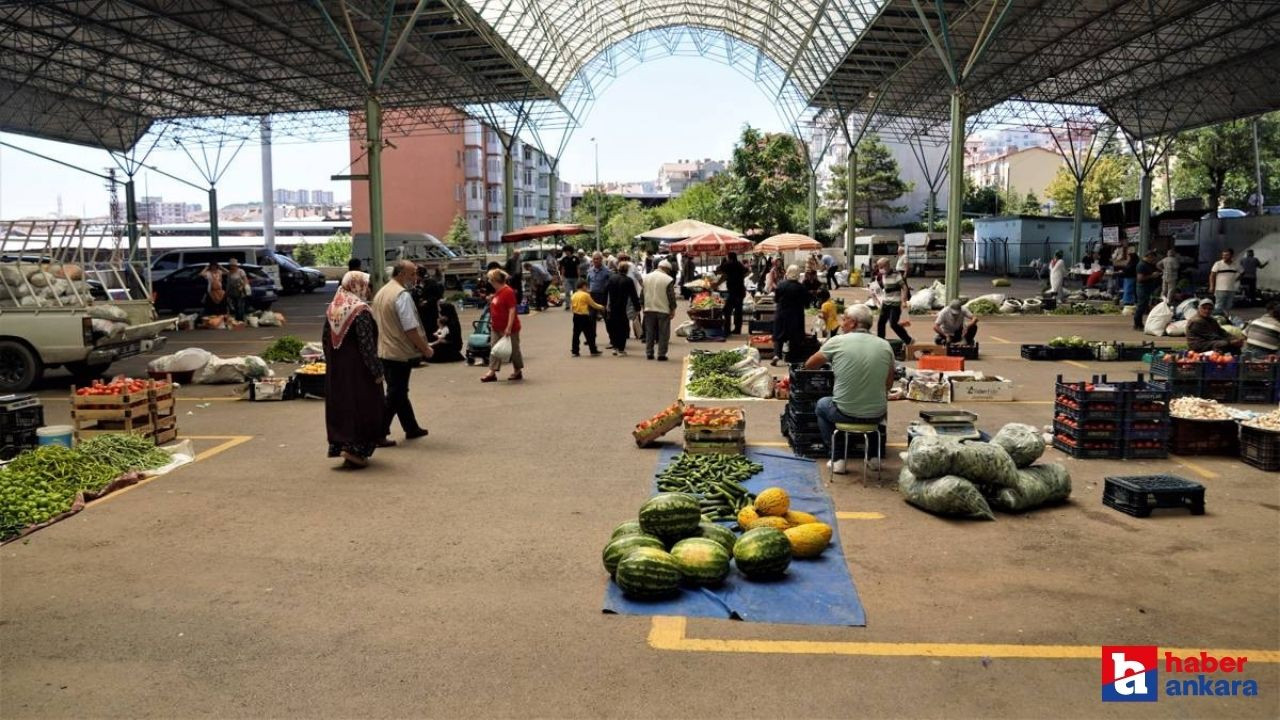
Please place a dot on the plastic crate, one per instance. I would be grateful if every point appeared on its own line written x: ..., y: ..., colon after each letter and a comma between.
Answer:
x: 942, y: 363
x: 1075, y: 451
x: 1102, y: 391
x: 1260, y: 448
x: 760, y: 326
x: 1038, y: 352
x: 1174, y: 370
x: 1146, y: 429
x: 963, y: 350
x: 1112, y: 432
x: 1091, y: 411
x: 812, y: 383
x: 29, y: 417
x: 1258, y: 371
x: 1260, y: 392
x: 1140, y: 391
x: 1142, y: 453
x: 1224, y: 391
x: 1214, y: 371
x: 1179, y: 388
x: 13, y: 442
x: 1146, y: 411
x: 1138, y: 495
x: 802, y: 405
x: 802, y: 422
x: 1204, y: 437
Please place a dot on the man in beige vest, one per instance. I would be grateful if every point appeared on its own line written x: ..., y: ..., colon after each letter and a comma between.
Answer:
x: 400, y: 342
x: 658, y: 298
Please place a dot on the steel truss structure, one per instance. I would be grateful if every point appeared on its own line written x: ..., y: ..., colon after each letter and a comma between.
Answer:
x: 105, y: 72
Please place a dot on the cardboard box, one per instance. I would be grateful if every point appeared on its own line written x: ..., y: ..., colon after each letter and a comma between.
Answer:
x: 927, y: 390
x: 915, y: 351
x: 990, y: 388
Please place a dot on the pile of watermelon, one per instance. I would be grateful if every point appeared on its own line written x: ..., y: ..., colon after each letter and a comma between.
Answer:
x: 671, y: 544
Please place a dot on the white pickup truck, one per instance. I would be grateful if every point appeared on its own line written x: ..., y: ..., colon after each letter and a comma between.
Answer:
x: 62, y: 307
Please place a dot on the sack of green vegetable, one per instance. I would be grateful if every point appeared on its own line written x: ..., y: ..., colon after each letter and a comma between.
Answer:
x: 948, y: 495
x: 984, y: 464
x: 1036, y: 485
x: 1024, y: 443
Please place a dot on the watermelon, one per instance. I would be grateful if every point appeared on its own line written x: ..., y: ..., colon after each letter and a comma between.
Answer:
x: 647, y: 573
x: 719, y: 533
x: 762, y: 553
x: 671, y: 516
x: 618, y: 549
x: 702, y: 561
x: 630, y: 527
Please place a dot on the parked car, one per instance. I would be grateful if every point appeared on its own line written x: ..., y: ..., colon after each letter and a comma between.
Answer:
x: 184, y: 289
x: 295, y: 278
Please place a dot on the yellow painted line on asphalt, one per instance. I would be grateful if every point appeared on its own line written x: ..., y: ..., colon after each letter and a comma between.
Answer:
x: 1197, y: 469
x: 769, y: 443
x: 1000, y: 340
x: 670, y: 633
x: 859, y: 515
x: 1073, y: 363
x: 230, y: 442
x: 224, y: 398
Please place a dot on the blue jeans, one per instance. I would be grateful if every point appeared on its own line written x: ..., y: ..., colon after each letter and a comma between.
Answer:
x: 828, y: 415
x: 1223, y: 302
x: 1127, y: 293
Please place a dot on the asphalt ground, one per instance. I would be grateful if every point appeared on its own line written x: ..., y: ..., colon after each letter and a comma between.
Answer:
x: 459, y: 575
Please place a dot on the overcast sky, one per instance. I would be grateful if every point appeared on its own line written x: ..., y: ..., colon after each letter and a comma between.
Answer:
x: 662, y: 111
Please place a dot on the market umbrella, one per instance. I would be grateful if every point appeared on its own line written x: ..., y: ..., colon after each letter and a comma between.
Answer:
x: 681, y: 229
x: 535, y: 232
x: 712, y: 243
x: 788, y: 242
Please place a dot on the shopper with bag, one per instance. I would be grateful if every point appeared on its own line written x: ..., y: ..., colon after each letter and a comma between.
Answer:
x: 215, y: 294
x: 505, y: 325
x: 237, y: 285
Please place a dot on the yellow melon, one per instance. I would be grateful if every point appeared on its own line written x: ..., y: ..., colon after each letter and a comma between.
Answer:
x: 746, y: 516
x: 795, y: 517
x: 773, y: 501
x: 808, y: 540
x: 772, y: 521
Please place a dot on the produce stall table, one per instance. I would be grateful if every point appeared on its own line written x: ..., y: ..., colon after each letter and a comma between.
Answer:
x: 816, y: 591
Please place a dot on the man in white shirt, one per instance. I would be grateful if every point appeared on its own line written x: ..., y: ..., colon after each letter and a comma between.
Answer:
x: 400, y: 342
x: 901, y: 267
x: 1224, y: 278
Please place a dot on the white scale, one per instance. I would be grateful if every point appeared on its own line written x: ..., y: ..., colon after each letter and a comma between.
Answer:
x: 954, y: 424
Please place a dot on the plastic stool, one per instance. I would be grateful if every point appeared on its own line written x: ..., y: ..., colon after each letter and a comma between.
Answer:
x: 866, y: 430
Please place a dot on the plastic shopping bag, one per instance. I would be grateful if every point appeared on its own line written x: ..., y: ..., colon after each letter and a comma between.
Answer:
x: 502, y: 349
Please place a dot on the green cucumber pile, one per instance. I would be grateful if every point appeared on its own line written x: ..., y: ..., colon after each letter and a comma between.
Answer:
x: 715, y: 480
x: 42, y: 483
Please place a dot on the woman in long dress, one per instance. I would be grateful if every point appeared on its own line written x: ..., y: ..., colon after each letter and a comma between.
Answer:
x: 353, y: 399
x: 790, y: 299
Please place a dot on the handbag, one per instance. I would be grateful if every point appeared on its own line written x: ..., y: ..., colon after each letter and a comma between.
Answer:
x: 502, y: 349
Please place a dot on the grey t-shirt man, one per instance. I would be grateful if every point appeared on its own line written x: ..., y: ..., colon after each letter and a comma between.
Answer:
x: 860, y: 362
x: 952, y: 321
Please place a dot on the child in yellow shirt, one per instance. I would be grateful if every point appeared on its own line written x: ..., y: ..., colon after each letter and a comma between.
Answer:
x: 830, y: 317
x: 583, y: 323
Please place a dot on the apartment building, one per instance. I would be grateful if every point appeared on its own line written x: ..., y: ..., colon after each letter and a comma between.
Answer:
x: 154, y: 210
x: 1027, y: 170
x: 429, y: 179
x: 915, y: 200
x: 674, y: 177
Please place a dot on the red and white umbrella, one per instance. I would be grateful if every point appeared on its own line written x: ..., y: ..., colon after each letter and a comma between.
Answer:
x: 712, y: 243
x: 788, y: 242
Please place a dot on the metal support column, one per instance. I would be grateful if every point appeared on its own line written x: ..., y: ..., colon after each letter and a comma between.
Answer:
x: 1077, y: 226
x: 551, y: 197
x: 1257, y: 166
x: 931, y: 210
x: 213, y: 216
x: 1144, y: 213
x: 813, y: 203
x: 850, y: 189
x: 268, y: 191
x: 131, y: 215
x: 377, y: 236
x: 955, y: 203
x: 508, y: 187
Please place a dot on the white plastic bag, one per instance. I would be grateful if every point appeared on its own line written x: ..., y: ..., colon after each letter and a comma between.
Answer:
x: 1010, y: 307
x: 1158, y: 319
x: 756, y: 382
x: 184, y: 360
x: 1187, y: 308
x: 921, y: 300
x: 221, y: 371
x: 502, y: 349
x: 683, y: 329
x: 1176, y: 329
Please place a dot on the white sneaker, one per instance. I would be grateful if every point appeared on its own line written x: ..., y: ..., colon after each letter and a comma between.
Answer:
x: 839, y: 468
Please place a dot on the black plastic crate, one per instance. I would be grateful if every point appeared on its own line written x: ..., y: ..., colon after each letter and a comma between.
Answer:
x: 1138, y: 495
x: 1091, y: 411
x: 1109, y: 453
x: 1260, y: 392
x: 1258, y: 371
x: 13, y: 442
x: 1130, y: 352
x: 1260, y: 448
x: 1224, y: 391
x: 1214, y: 371
x: 1141, y: 391
x: 1077, y: 391
x: 811, y: 383
x: 1146, y: 429
x: 1179, y: 388
x: 25, y: 418
x: 1204, y: 437
x: 1147, y: 411
x: 802, y: 422
x: 760, y: 326
x: 810, y: 449
x: 964, y: 350
x: 310, y: 385
x: 802, y: 404
x: 1111, y: 432
x: 1145, y: 453
x: 1038, y: 352
x: 1174, y: 370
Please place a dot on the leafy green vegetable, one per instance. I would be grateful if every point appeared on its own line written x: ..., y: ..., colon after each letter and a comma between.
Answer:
x: 285, y: 349
x: 715, y: 385
x: 702, y: 363
x: 983, y: 307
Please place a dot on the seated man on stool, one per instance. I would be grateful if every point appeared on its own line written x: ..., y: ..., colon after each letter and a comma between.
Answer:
x: 954, y: 324
x: 863, y: 368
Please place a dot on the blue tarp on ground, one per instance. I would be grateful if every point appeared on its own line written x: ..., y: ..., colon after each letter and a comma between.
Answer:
x: 817, y: 591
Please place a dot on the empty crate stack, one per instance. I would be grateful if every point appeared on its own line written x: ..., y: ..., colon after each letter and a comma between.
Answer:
x: 800, y: 419
x: 20, y: 417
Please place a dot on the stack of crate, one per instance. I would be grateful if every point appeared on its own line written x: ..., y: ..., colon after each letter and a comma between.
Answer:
x: 20, y: 417
x: 1088, y: 419
x: 1259, y: 382
x: 150, y: 413
x: 800, y: 419
x: 1146, y: 424
x: 716, y: 440
x: 163, y: 405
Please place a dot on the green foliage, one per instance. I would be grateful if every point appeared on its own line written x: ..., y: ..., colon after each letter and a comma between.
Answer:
x: 459, y: 237
x: 1030, y: 204
x: 335, y: 252
x: 1216, y: 163
x: 304, y: 254
x: 629, y: 220
x: 585, y: 213
x: 769, y: 175
x: 1114, y: 176
x: 700, y: 201
x: 284, y: 349
x: 879, y: 180
x: 981, y: 200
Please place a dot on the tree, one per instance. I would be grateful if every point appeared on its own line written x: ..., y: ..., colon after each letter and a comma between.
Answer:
x: 459, y: 236
x: 982, y: 200
x: 1217, y: 162
x: 1030, y: 204
x: 836, y: 201
x: 335, y: 252
x: 304, y: 254
x: 768, y: 176
x: 584, y: 212
x: 628, y: 221
x: 879, y: 179
x: 700, y: 201
x: 1115, y: 176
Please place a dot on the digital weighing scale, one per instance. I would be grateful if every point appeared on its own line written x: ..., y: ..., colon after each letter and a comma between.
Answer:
x: 954, y: 424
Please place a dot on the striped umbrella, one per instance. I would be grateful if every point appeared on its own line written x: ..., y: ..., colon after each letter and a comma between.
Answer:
x: 787, y: 242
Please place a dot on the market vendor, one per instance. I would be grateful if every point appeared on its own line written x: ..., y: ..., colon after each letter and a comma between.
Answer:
x: 1205, y: 334
x: 1262, y: 336
x: 858, y: 361
x: 955, y: 323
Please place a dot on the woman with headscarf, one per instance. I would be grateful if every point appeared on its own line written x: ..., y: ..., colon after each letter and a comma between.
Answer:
x: 353, y: 398
x: 790, y: 299
x: 775, y: 276
x: 215, y: 294
x: 447, y: 339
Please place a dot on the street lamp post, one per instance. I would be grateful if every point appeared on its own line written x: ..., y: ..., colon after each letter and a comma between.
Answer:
x: 596, y: 145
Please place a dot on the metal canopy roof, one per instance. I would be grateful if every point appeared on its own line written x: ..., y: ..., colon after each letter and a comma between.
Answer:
x: 99, y: 72
x: 1155, y: 66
